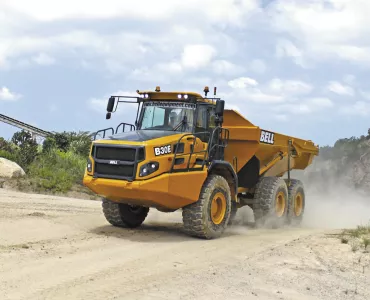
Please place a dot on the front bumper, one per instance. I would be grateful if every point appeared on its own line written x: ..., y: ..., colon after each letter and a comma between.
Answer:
x: 167, y: 191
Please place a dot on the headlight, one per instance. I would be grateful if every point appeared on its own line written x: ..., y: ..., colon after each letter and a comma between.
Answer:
x: 89, y: 165
x: 148, y: 168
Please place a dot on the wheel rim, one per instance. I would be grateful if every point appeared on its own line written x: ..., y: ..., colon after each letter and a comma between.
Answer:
x: 280, y: 204
x: 298, y: 204
x: 218, y: 208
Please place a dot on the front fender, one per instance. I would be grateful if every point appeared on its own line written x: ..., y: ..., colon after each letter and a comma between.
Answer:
x: 220, y: 167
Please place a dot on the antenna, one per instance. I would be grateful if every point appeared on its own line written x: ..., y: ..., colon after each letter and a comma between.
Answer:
x: 214, y: 91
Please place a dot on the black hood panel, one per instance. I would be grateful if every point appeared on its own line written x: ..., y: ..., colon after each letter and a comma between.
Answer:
x: 141, y: 135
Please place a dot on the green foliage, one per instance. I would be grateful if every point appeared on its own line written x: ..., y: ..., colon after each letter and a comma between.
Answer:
x: 26, y: 149
x: 4, y: 145
x: 8, y: 155
x: 78, y: 143
x: 349, y: 148
x: 57, y: 171
x: 49, y: 144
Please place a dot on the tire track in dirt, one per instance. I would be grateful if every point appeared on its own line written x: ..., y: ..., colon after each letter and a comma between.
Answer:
x: 73, y: 253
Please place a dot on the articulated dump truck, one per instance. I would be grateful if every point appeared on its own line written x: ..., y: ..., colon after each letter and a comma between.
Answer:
x: 188, y: 152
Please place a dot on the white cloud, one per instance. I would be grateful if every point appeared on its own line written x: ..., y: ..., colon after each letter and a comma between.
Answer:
x: 320, y: 102
x: 189, y: 38
x: 232, y: 12
x: 360, y: 108
x: 197, y: 56
x: 323, y: 29
x: 242, y: 82
x: 224, y: 67
x: 305, y: 106
x: 7, y: 95
x: 289, y: 87
x: 340, y: 89
x: 285, y: 48
x: 275, y: 91
x: 44, y: 59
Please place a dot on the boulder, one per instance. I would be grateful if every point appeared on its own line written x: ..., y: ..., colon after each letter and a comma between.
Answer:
x: 9, y: 169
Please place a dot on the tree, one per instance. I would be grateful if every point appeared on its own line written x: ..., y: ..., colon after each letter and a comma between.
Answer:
x: 27, y: 148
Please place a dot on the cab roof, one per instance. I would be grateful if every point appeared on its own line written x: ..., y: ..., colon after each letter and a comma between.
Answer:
x: 186, y: 96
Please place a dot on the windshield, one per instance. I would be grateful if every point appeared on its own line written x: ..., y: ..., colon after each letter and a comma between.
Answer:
x: 176, y: 116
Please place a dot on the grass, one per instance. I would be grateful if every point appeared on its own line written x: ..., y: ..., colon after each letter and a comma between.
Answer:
x: 57, y: 171
x: 358, y: 237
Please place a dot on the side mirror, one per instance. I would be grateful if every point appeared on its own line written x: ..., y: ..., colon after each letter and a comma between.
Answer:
x: 108, y: 115
x: 110, y: 105
x: 220, y: 105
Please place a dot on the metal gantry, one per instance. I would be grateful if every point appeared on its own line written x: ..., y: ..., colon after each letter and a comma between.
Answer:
x: 35, y: 132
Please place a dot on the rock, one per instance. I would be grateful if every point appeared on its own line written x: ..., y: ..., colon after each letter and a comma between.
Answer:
x: 9, y: 169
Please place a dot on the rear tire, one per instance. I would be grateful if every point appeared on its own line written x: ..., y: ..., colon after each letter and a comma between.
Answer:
x: 124, y: 215
x: 270, y: 206
x: 209, y: 216
x: 297, y: 202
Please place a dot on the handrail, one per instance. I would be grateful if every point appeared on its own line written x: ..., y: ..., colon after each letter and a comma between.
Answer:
x: 124, y: 126
x: 104, y: 131
x: 207, y: 151
x: 191, y: 152
x: 132, y: 127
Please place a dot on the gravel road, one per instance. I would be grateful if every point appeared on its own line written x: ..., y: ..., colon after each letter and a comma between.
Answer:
x: 62, y: 248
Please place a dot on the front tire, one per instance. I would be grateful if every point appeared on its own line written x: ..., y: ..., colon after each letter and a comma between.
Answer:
x: 124, y: 215
x: 209, y: 216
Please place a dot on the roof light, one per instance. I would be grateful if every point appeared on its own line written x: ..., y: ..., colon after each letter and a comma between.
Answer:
x: 179, y: 96
x: 186, y: 96
x: 146, y: 96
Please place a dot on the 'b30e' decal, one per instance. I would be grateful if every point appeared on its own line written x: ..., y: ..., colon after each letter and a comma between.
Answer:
x: 267, y: 137
x: 162, y: 150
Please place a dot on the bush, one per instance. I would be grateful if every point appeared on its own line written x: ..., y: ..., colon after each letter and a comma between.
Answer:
x: 78, y: 143
x: 26, y: 149
x: 4, y: 145
x: 8, y: 155
x: 57, y: 171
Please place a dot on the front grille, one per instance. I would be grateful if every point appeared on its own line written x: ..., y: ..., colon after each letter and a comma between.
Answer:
x: 121, y: 170
x: 116, y: 162
x: 125, y: 154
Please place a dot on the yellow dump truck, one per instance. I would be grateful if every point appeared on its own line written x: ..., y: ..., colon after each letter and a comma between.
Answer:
x: 186, y: 151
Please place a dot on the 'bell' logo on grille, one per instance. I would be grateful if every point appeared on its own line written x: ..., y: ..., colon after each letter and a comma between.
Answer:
x: 113, y: 162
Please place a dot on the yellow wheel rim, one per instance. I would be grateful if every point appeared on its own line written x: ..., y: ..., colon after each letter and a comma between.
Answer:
x: 218, y: 208
x: 298, y: 204
x: 280, y: 204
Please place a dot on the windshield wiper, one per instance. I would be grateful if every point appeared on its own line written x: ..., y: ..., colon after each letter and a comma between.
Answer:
x: 184, y: 121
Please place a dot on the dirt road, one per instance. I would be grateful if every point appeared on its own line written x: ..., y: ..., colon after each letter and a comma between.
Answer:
x: 61, y: 248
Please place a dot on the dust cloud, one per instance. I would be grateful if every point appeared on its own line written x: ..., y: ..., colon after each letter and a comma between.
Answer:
x: 339, y: 207
x: 335, y: 206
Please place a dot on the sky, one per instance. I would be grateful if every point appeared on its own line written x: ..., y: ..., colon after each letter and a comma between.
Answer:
x: 295, y: 67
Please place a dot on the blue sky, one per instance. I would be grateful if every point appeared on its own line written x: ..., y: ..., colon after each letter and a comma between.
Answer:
x: 296, y: 67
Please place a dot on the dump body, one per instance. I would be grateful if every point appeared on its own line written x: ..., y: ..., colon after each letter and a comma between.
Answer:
x: 253, y: 148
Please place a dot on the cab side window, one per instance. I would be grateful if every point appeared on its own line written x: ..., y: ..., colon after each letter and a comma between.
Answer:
x: 212, y: 118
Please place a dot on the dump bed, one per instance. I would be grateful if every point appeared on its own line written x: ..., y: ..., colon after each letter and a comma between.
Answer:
x: 247, y: 140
